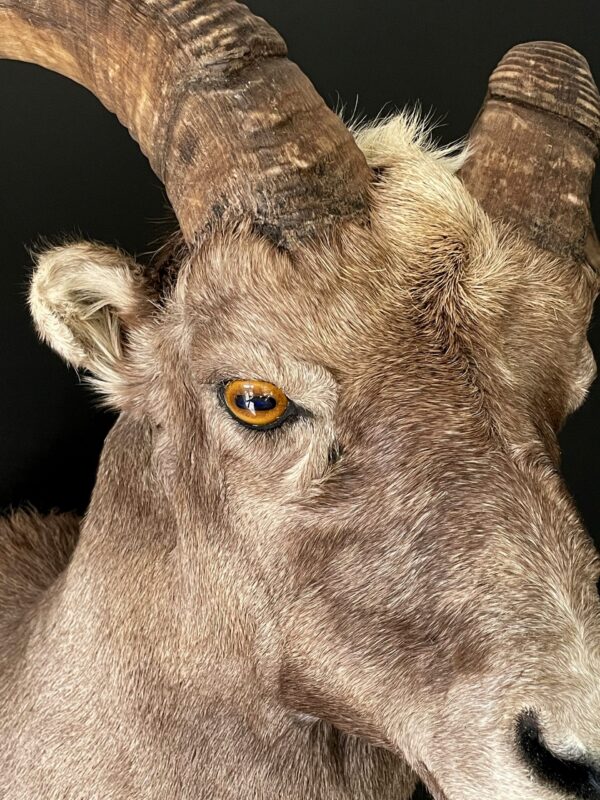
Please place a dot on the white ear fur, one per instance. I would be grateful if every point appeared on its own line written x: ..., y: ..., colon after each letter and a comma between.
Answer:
x: 80, y: 296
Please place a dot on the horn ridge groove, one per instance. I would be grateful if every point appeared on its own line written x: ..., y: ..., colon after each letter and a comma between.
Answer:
x: 551, y: 77
x: 233, y: 128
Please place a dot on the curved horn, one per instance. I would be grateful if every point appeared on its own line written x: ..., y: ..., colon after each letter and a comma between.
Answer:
x: 231, y: 127
x: 534, y: 145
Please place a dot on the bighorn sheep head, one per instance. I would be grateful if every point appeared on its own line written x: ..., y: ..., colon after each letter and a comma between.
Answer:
x: 341, y: 397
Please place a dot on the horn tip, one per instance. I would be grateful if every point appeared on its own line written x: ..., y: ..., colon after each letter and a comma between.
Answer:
x: 551, y: 77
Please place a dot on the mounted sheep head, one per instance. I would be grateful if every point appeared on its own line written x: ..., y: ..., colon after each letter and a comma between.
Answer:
x: 332, y: 496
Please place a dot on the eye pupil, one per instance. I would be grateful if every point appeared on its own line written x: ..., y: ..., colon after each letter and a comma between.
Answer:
x: 255, y: 403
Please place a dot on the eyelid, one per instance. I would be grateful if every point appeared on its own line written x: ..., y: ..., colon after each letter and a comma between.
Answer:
x: 313, y: 387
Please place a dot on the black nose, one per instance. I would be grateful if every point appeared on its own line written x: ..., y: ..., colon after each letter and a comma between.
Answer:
x: 577, y: 777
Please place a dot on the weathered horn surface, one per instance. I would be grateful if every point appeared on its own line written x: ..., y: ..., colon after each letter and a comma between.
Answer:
x: 534, y: 145
x: 229, y: 124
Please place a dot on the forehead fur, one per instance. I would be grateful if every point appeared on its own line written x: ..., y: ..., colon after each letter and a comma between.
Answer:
x: 430, y: 252
x: 417, y: 191
x: 421, y: 216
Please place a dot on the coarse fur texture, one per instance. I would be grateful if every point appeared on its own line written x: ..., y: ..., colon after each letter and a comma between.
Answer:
x: 244, y: 619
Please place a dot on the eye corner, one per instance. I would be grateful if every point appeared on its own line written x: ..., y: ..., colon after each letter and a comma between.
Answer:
x: 335, y: 454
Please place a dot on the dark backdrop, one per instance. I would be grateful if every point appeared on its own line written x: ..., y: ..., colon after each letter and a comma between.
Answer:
x: 67, y: 166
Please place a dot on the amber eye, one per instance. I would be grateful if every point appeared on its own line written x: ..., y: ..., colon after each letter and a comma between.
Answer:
x: 257, y: 404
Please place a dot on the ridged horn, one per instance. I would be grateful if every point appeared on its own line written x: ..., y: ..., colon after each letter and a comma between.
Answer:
x: 229, y: 124
x: 535, y: 143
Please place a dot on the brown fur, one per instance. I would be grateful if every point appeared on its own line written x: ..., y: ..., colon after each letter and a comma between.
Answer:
x: 242, y: 618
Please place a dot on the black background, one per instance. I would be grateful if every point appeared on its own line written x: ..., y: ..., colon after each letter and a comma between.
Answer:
x: 67, y: 167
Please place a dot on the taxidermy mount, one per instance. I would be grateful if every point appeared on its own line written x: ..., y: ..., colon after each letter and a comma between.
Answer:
x: 329, y: 551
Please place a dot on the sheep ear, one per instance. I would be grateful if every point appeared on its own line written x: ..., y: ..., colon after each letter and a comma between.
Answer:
x: 83, y: 298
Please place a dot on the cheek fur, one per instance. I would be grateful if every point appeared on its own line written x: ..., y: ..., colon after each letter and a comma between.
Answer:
x: 283, y: 462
